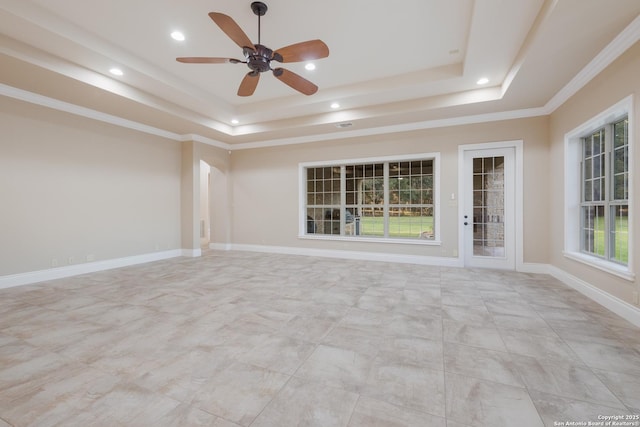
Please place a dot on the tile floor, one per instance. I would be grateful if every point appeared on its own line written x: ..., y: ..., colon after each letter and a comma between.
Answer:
x: 247, y: 339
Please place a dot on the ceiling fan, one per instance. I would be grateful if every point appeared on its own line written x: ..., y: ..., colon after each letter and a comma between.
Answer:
x: 258, y: 57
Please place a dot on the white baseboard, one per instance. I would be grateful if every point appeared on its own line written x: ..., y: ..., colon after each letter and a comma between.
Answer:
x: 220, y: 246
x: 191, y: 253
x: 354, y: 255
x: 615, y: 304
x: 89, y: 267
x: 534, y: 268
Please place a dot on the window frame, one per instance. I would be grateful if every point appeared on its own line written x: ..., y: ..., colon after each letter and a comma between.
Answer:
x: 302, y: 198
x: 574, y: 192
x: 604, y: 199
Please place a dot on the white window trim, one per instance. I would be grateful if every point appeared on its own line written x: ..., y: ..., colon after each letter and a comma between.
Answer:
x: 302, y: 185
x: 572, y: 152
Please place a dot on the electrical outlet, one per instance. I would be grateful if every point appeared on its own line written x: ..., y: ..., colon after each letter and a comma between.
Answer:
x: 54, y: 262
x: 636, y: 298
x: 71, y: 260
x: 91, y: 257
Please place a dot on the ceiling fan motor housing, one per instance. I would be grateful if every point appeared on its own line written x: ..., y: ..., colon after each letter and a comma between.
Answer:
x: 258, y: 60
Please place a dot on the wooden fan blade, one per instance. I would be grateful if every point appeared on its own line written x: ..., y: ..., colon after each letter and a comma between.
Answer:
x: 304, y: 51
x: 249, y: 84
x: 207, y: 60
x: 231, y: 29
x: 295, y: 81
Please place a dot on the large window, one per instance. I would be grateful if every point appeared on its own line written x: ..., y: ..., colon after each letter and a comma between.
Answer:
x: 598, y: 191
x: 385, y: 198
x: 605, y: 192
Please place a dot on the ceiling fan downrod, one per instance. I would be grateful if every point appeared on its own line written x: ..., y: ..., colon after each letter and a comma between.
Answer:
x: 259, y: 8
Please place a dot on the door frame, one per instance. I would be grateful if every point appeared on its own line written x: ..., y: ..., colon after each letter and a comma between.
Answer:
x: 517, y: 145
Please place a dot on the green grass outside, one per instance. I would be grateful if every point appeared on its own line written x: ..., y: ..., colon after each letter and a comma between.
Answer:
x: 404, y: 226
x: 621, y: 249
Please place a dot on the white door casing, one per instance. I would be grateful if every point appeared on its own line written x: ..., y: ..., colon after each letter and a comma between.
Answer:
x: 490, y: 231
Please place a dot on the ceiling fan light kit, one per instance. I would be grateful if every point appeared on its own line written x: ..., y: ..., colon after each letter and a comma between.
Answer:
x: 258, y: 57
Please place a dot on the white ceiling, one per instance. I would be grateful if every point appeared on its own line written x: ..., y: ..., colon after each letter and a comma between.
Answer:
x: 390, y: 63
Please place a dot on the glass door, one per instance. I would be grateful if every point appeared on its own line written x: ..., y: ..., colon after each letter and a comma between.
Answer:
x: 489, y: 221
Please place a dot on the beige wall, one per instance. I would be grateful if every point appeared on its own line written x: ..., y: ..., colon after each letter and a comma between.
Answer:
x: 76, y: 188
x: 265, y: 185
x: 616, y: 82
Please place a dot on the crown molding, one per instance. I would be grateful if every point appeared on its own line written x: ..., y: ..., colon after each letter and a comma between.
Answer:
x: 405, y: 127
x: 623, y: 41
x: 67, y: 107
x: 205, y: 140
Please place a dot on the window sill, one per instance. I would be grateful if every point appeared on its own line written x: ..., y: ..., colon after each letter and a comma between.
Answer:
x: 370, y: 239
x: 606, y: 266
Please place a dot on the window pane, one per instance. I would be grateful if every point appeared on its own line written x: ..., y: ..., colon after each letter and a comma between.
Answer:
x: 621, y: 133
x: 596, y: 167
x: 619, y: 186
x: 477, y: 198
x: 597, y: 193
x: 588, y: 191
x: 598, y: 143
x: 593, y: 230
x: 411, y: 222
x: 477, y: 165
x: 619, y: 160
x: 372, y: 221
x: 404, y: 168
x: 427, y: 196
x: 588, y: 168
x: 588, y: 147
x: 331, y: 221
x: 620, y: 233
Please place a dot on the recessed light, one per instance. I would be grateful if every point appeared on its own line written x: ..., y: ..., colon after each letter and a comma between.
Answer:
x: 335, y: 105
x: 235, y: 121
x: 483, y: 81
x: 310, y: 66
x: 177, y: 35
x: 116, y: 72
